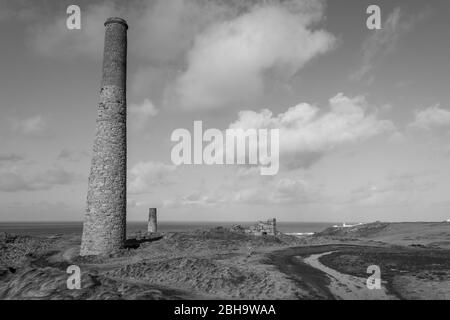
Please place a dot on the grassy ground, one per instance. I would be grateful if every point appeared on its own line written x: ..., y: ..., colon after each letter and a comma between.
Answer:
x: 219, y: 264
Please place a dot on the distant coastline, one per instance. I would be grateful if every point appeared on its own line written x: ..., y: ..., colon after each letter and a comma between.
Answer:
x: 61, y: 227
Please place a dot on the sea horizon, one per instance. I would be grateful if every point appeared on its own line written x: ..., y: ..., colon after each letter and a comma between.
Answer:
x: 74, y: 227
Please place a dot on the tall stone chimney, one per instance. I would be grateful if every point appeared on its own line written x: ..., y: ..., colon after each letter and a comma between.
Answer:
x: 104, y: 229
x: 152, y: 220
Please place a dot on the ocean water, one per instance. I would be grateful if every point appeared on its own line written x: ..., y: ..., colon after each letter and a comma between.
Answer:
x: 49, y: 228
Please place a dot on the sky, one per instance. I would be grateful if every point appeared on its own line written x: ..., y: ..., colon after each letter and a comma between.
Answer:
x: 364, y: 115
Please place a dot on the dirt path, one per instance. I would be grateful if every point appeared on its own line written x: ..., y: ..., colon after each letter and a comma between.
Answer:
x: 344, y: 286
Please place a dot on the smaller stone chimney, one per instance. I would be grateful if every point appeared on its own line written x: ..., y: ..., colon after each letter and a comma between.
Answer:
x: 152, y: 221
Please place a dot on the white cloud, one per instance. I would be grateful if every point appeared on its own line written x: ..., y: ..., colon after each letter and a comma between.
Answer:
x: 145, y: 176
x: 142, y: 112
x: 308, y: 131
x: 10, y: 158
x: 165, y: 29
x: 160, y: 31
x: 397, y: 138
x: 434, y: 116
x: 13, y: 179
x: 230, y: 62
x: 282, y: 191
x: 35, y: 125
x: 399, y: 189
x: 193, y: 199
x: 231, y: 48
x: 151, y: 81
x: 72, y: 155
x: 55, y: 40
x: 21, y: 10
x: 133, y: 203
x: 258, y: 191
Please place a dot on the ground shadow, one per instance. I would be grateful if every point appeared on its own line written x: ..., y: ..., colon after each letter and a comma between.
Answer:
x: 134, y: 243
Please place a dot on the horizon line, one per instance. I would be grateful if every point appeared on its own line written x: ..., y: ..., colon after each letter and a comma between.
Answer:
x: 228, y: 221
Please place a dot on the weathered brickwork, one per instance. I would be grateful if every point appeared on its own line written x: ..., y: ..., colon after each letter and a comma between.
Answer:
x: 104, y: 229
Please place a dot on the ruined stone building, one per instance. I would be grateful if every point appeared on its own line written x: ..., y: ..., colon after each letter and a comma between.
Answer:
x: 104, y: 229
x: 263, y: 228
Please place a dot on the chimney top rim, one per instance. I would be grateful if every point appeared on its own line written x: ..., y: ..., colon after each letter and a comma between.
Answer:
x: 116, y: 20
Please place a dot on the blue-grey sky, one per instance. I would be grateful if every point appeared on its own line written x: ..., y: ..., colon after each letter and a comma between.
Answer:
x: 364, y: 115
